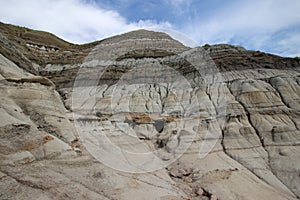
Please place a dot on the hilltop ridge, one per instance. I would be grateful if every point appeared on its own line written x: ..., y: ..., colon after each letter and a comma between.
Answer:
x: 141, y: 116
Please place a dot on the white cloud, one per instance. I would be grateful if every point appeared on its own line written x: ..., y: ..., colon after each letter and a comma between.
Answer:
x: 73, y: 20
x: 289, y: 45
x: 250, y: 23
x: 177, y: 3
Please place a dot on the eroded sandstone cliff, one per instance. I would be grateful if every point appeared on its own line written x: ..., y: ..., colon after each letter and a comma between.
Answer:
x: 218, y: 122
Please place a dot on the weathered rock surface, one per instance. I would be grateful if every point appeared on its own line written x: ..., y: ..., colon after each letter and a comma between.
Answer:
x: 218, y: 122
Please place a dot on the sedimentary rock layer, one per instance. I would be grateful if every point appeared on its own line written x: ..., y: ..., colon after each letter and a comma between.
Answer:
x: 218, y: 122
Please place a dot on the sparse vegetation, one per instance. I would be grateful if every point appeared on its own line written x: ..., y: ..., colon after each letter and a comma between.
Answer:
x: 206, y: 46
x: 39, y: 47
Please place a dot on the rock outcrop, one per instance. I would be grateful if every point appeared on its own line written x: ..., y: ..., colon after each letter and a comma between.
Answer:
x: 141, y: 116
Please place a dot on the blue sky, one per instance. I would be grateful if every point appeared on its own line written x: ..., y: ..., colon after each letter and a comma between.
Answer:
x: 266, y: 25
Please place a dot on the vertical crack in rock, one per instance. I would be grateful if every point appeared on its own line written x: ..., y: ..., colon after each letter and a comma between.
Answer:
x: 139, y: 95
x: 262, y: 141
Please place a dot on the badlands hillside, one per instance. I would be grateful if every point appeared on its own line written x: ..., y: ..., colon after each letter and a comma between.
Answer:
x: 141, y: 116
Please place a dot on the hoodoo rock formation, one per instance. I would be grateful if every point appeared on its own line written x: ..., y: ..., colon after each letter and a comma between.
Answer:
x: 141, y: 116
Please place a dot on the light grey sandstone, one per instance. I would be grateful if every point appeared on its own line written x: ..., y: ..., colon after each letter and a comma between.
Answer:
x: 234, y: 130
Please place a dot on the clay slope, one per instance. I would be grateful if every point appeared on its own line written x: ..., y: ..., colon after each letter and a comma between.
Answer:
x: 141, y: 116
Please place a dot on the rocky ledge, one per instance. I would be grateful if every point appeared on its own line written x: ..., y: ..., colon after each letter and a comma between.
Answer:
x: 141, y: 116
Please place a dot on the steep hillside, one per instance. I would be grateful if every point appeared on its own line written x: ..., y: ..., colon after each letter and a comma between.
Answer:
x: 35, y: 49
x: 141, y: 116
